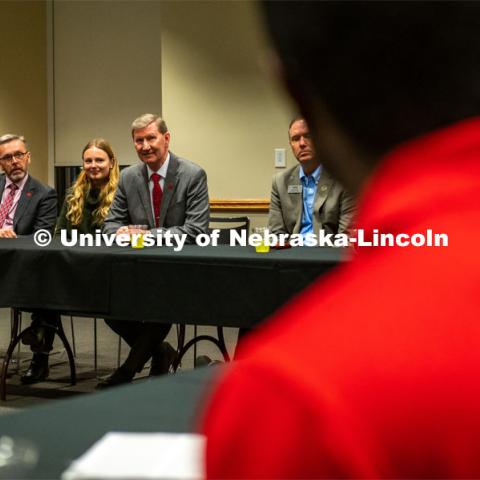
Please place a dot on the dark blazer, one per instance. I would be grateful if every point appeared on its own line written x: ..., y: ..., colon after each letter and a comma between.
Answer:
x: 36, y: 209
x: 333, y: 207
x: 184, y: 208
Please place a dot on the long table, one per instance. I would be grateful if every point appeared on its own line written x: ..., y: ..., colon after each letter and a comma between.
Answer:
x: 228, y: 286
x: 64, y: 430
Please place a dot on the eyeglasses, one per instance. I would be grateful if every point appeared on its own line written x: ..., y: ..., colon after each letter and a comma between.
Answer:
x: 17, y: 155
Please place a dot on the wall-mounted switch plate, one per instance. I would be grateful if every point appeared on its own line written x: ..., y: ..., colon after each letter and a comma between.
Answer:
x: 280, y: 159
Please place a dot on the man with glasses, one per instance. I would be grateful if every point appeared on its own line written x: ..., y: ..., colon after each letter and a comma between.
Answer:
x: 27, y: 205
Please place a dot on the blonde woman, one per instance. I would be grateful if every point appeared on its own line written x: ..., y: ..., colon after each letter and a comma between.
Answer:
x: 87, y: 202
x: 84, y: 209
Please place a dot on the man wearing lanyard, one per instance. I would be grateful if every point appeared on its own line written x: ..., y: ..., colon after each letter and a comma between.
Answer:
x: 26, y: 207
x: 305, y: 198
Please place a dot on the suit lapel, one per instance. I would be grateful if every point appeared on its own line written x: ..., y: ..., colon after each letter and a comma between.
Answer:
x: 144, y: 193
x: 169, y: 186
x: 324, y: 185
x: 25, y: 198
x: 2, y: 185
x: 296, y: 199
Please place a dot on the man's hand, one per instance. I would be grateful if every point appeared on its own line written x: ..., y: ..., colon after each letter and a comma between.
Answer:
x: 122, y: 230
x: 7, y: 233
x: 131, y: 229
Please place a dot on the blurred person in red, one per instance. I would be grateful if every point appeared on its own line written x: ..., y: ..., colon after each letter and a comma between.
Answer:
x: 373, y: 371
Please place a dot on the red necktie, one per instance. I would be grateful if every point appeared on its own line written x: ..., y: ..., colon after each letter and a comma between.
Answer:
x: 156, y: 197
x: 7, y: 204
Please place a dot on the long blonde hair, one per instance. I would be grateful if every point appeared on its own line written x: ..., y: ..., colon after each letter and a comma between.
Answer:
x: 82, y: 186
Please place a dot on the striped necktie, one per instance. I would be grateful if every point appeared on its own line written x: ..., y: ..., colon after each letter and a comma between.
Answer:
x: 7, y: 203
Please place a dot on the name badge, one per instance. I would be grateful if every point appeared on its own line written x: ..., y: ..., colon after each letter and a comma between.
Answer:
x: 294, y: 189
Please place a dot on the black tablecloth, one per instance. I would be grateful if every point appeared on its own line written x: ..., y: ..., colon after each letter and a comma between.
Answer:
x: 229, y: 286
x: 64, y: 430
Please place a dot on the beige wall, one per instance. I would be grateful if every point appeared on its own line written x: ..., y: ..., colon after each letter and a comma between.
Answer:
x: 197, y: 63
x: 222, y: 107
x: 107, y: 71
x: 23, y: 77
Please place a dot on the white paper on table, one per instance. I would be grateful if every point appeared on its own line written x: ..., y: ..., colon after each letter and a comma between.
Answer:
x: 141, y: 455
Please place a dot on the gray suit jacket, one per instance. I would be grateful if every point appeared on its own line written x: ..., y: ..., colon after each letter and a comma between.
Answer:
x: 333, y: 207
x: 184, y: 208
x: 36, y: 209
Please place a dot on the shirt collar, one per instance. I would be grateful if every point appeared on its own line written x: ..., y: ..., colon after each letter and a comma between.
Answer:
x: 316, y: 174
x: 19, y: 184
x: 162, y: 171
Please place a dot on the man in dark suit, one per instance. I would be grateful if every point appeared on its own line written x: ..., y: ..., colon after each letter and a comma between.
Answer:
x: 27, y: 206
x: 305, y: 198
x: 163, y: 193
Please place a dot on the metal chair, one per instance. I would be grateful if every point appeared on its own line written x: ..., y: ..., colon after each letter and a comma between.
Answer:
x: 225, y: 225
x: 95, y: 344
x: 16, y: 336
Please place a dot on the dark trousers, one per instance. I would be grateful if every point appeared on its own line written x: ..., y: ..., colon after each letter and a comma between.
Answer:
x: 49, y: 320
x: 144, y: 340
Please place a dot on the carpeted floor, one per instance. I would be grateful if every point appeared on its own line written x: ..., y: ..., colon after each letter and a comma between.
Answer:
x: 57, y: 385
